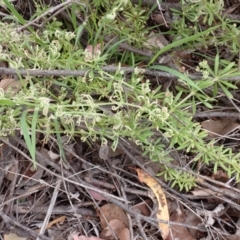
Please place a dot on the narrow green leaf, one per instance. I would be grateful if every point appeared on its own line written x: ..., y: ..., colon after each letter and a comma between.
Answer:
x: 230, y: 85
x: 225, y: 90
x: 15, y: 12
x: 78, y: 34
x: 114, y: 45
x: 205, y: 83
x: 8, y: 102
x: 230, y: 75
x: 177, y: 97
x: 216, y: 65
x: 26, y: 135
x: 226, y: 69
x: 177, y: 74
x: 33, y: 133
x: 73, y: 15
x: 180, y: 42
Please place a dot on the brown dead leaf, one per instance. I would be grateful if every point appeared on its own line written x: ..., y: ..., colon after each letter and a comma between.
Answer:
x: 221, y: 127
x: 179, y: 232
x: 233, y: 237
x: 162, y: 213
x: 11, y: 173
x: 113, y: 229
x: 13, y: 236
x: 10, y: 83
x: 104, y: 152
x: 144, y: 207
x: 95, y: 195
x: 158, y: 18
x: 124, y: 234
x: 53, y: 156
x: 110, y: 212
x: 220, y: 176
x: 192, y: 219
x: 92, y: 52
x: 156, y: 40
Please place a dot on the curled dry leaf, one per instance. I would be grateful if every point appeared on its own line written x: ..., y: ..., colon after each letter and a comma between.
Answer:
x: 192, y: 219
x: 104, y: 152
x: 220, y: 176
x: 143, y: 207
x: 162, y: 213
x: 10, y: 83
x: 156, y: 40
x: 11, y: 173
x: 92, y: 52
x: 177, y: 231
x: 55, y: 221
x: 13, y: 236
x: 221, y: 127
x: 124, y: 234
x: 109, y: 212
x: 158, y: 18
x: 95, y: 195
x: 113, y: 230
x: 53, y: 156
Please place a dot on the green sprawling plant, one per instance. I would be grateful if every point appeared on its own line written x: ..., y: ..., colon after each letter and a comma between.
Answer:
x: 109, y: 106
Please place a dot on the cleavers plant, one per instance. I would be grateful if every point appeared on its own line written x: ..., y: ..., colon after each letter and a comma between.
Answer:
x: 110, y: 106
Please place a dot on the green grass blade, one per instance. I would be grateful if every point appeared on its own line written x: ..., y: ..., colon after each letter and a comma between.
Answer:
x: 177, y: 74
x: 180, y: 42
x: 14, y: 12
x: 79, y: 31
x: 33, y: 132
x: 26, y: 135
x: 113, y: 46
x: 73, y: 15
x: 216, y: 65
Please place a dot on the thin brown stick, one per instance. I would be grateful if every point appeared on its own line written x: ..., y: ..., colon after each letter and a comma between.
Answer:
x: 77, y: 73
x: 77, y: 208
x: 109, y: 68
x: 211, y: 114
x: 110, y: 186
